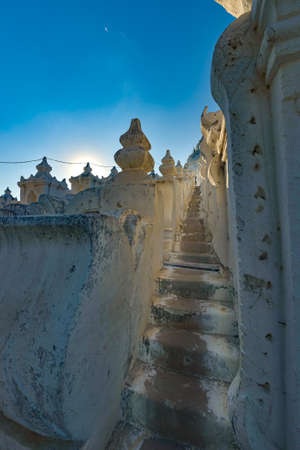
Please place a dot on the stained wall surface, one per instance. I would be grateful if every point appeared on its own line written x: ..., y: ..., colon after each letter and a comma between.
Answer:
x: 70, y: 318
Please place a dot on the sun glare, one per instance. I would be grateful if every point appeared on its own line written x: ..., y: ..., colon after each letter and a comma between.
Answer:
x: 81, y: 159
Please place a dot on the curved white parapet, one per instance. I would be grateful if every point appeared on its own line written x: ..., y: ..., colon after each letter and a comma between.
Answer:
x: 69, y: 318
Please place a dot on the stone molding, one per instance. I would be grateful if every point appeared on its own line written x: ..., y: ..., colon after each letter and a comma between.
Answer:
x: 255, y: 77
x: 280, y: 44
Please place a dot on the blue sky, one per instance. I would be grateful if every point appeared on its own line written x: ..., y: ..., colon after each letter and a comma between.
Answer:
x: 73, y: 74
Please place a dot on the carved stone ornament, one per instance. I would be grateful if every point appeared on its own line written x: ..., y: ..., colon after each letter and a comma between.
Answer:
x: 134, y: 156
x: 87, y: 169
x: 167, y: 168
x: 203, y: 168
x: 215, y: 173
x: 44, y: 167
x: 179, y: 169
x: 7, y: 198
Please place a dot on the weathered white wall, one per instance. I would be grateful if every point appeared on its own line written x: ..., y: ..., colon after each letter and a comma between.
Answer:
x: 75, y: 301
x: 254, y: 80
x: 70, y: 318
x: 175, y: 193
x: 214, y: 184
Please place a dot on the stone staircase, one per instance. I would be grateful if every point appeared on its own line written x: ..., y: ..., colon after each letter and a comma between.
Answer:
x: 176, y: 395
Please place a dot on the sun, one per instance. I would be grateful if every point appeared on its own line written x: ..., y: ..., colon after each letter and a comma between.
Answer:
x: 80, y: 159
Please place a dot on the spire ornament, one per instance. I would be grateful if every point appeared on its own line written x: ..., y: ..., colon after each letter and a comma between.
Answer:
x: 43, y: 167
x: 134, y: 156
x: 7, y: 198
x: 179, y: 169
x: 87, y: 170
x: 85, y: 180
x: 167, y: 168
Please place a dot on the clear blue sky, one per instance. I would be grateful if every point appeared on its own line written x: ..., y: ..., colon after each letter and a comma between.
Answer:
x: 73, y: 74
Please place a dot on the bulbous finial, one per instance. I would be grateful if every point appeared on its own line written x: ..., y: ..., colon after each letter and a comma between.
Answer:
x: 167, y: 168
x: 135, y: 152
x: 7, y: 191
x: 179, y: 169
x: 135, y: 137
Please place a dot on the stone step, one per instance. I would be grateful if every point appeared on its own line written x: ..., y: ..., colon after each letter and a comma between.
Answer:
x: 193, y: 208
x: 189, y: 283
x: 207, y: 316
x: 14, y: 436
x: 196, y: 247
x: 162, y: 444
x: 194, y: 236
x: 194, y: 214
x: 196, y: 200
x: 167, y: 245
x: 190, y: 352
x: 193, y: 265
x: 127, y: 437
x: 207, y: 258
x: 185, y: 409
x: 193, y: 224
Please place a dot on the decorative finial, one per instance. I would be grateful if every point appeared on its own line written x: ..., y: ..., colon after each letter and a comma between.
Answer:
x: 179, y: 169
x: 167, y: 168
x: 87, y: 169
x: 114, y: 171
x: 44, y: 166
x: 135, y: 137
x: 7, y: 198
x: 135, y: 152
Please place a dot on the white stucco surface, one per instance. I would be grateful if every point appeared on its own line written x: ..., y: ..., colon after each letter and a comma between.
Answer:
x: 254, y: 80
x: 72, y: 315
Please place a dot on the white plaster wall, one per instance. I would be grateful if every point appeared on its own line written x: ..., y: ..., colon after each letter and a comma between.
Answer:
x: 77, y: 302
x: 71, y: 317
x: 214, y: 206
x: 254, y: 79
x: 40, y: 189
x: 285, y: 94
x: 167, y: 189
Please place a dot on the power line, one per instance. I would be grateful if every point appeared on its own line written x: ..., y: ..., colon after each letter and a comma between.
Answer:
x: 69, y: 162
x: 53, y: 159
x: 20, y: 162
